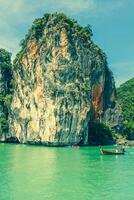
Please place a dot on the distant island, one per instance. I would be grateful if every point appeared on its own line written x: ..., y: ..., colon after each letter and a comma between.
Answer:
x: 125, y: 95
x: 59, y: 90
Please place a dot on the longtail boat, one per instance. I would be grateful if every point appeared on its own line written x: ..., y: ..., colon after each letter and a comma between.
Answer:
x: 109, y: 152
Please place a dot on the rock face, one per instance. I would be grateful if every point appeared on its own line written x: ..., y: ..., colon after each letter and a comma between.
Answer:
x: 61, y: 83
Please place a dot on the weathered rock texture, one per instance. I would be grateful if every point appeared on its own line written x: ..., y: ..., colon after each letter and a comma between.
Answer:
x: 62, y: 82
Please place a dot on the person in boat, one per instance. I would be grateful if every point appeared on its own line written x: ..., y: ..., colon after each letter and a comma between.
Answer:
x: 75, y: 146
x: 100, y: 147
x: 122, y: 149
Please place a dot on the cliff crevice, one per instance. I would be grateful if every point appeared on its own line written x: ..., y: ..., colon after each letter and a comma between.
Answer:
x: 61, y: 83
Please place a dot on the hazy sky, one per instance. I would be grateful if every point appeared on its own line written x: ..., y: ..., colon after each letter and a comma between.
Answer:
x: 112, y: 22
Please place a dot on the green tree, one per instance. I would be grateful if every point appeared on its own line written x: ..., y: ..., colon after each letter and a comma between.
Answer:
x: 125, y: 94
x: 5, y: 89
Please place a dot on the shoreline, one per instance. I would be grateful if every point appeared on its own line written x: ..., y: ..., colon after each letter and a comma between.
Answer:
x: 118, y: 143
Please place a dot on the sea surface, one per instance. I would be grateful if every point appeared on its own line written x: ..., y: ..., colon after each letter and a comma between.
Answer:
x: 46, y: 173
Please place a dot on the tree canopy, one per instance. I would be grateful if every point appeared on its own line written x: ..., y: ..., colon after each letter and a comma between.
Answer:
x: 5, y: 88
x: 125, y: 95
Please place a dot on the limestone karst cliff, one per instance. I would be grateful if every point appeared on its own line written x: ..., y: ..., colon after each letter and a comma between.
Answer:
x: 61, y: 83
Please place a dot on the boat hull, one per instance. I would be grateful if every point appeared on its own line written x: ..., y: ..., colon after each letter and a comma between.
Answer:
x: 106, y: 152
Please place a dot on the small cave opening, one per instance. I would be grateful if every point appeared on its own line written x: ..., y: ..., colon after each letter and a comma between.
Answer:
x: 12, y: 139
x: 99, y: 134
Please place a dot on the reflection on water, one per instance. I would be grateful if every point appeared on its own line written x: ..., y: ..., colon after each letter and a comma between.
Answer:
x: 37, y: 173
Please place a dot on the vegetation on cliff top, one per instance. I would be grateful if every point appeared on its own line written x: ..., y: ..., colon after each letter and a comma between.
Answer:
x: 46, y: 27
x: 126, y: 99
x: 60, y: 20
x: 5, y: 88
x: 39, y: 24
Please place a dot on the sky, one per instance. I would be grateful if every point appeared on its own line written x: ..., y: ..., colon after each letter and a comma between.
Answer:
x: 112, y: 23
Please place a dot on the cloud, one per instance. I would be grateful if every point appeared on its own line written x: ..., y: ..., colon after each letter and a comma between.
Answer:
x: 77, y: 6
x: 24, y: 6
x: 108, y: 6
x: 10, y: 43
x: 17, y: 16
x: 123, y: 71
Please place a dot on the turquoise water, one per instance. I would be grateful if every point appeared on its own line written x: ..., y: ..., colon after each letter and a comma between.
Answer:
x: 41, y: 173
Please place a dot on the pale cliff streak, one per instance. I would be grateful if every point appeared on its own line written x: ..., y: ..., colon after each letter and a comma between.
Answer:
x: 62, y: 82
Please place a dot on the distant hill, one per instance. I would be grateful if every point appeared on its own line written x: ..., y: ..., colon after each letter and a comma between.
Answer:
x: 125, y: 95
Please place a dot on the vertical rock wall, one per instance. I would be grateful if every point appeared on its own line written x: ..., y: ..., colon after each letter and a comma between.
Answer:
x: 62, y: 82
